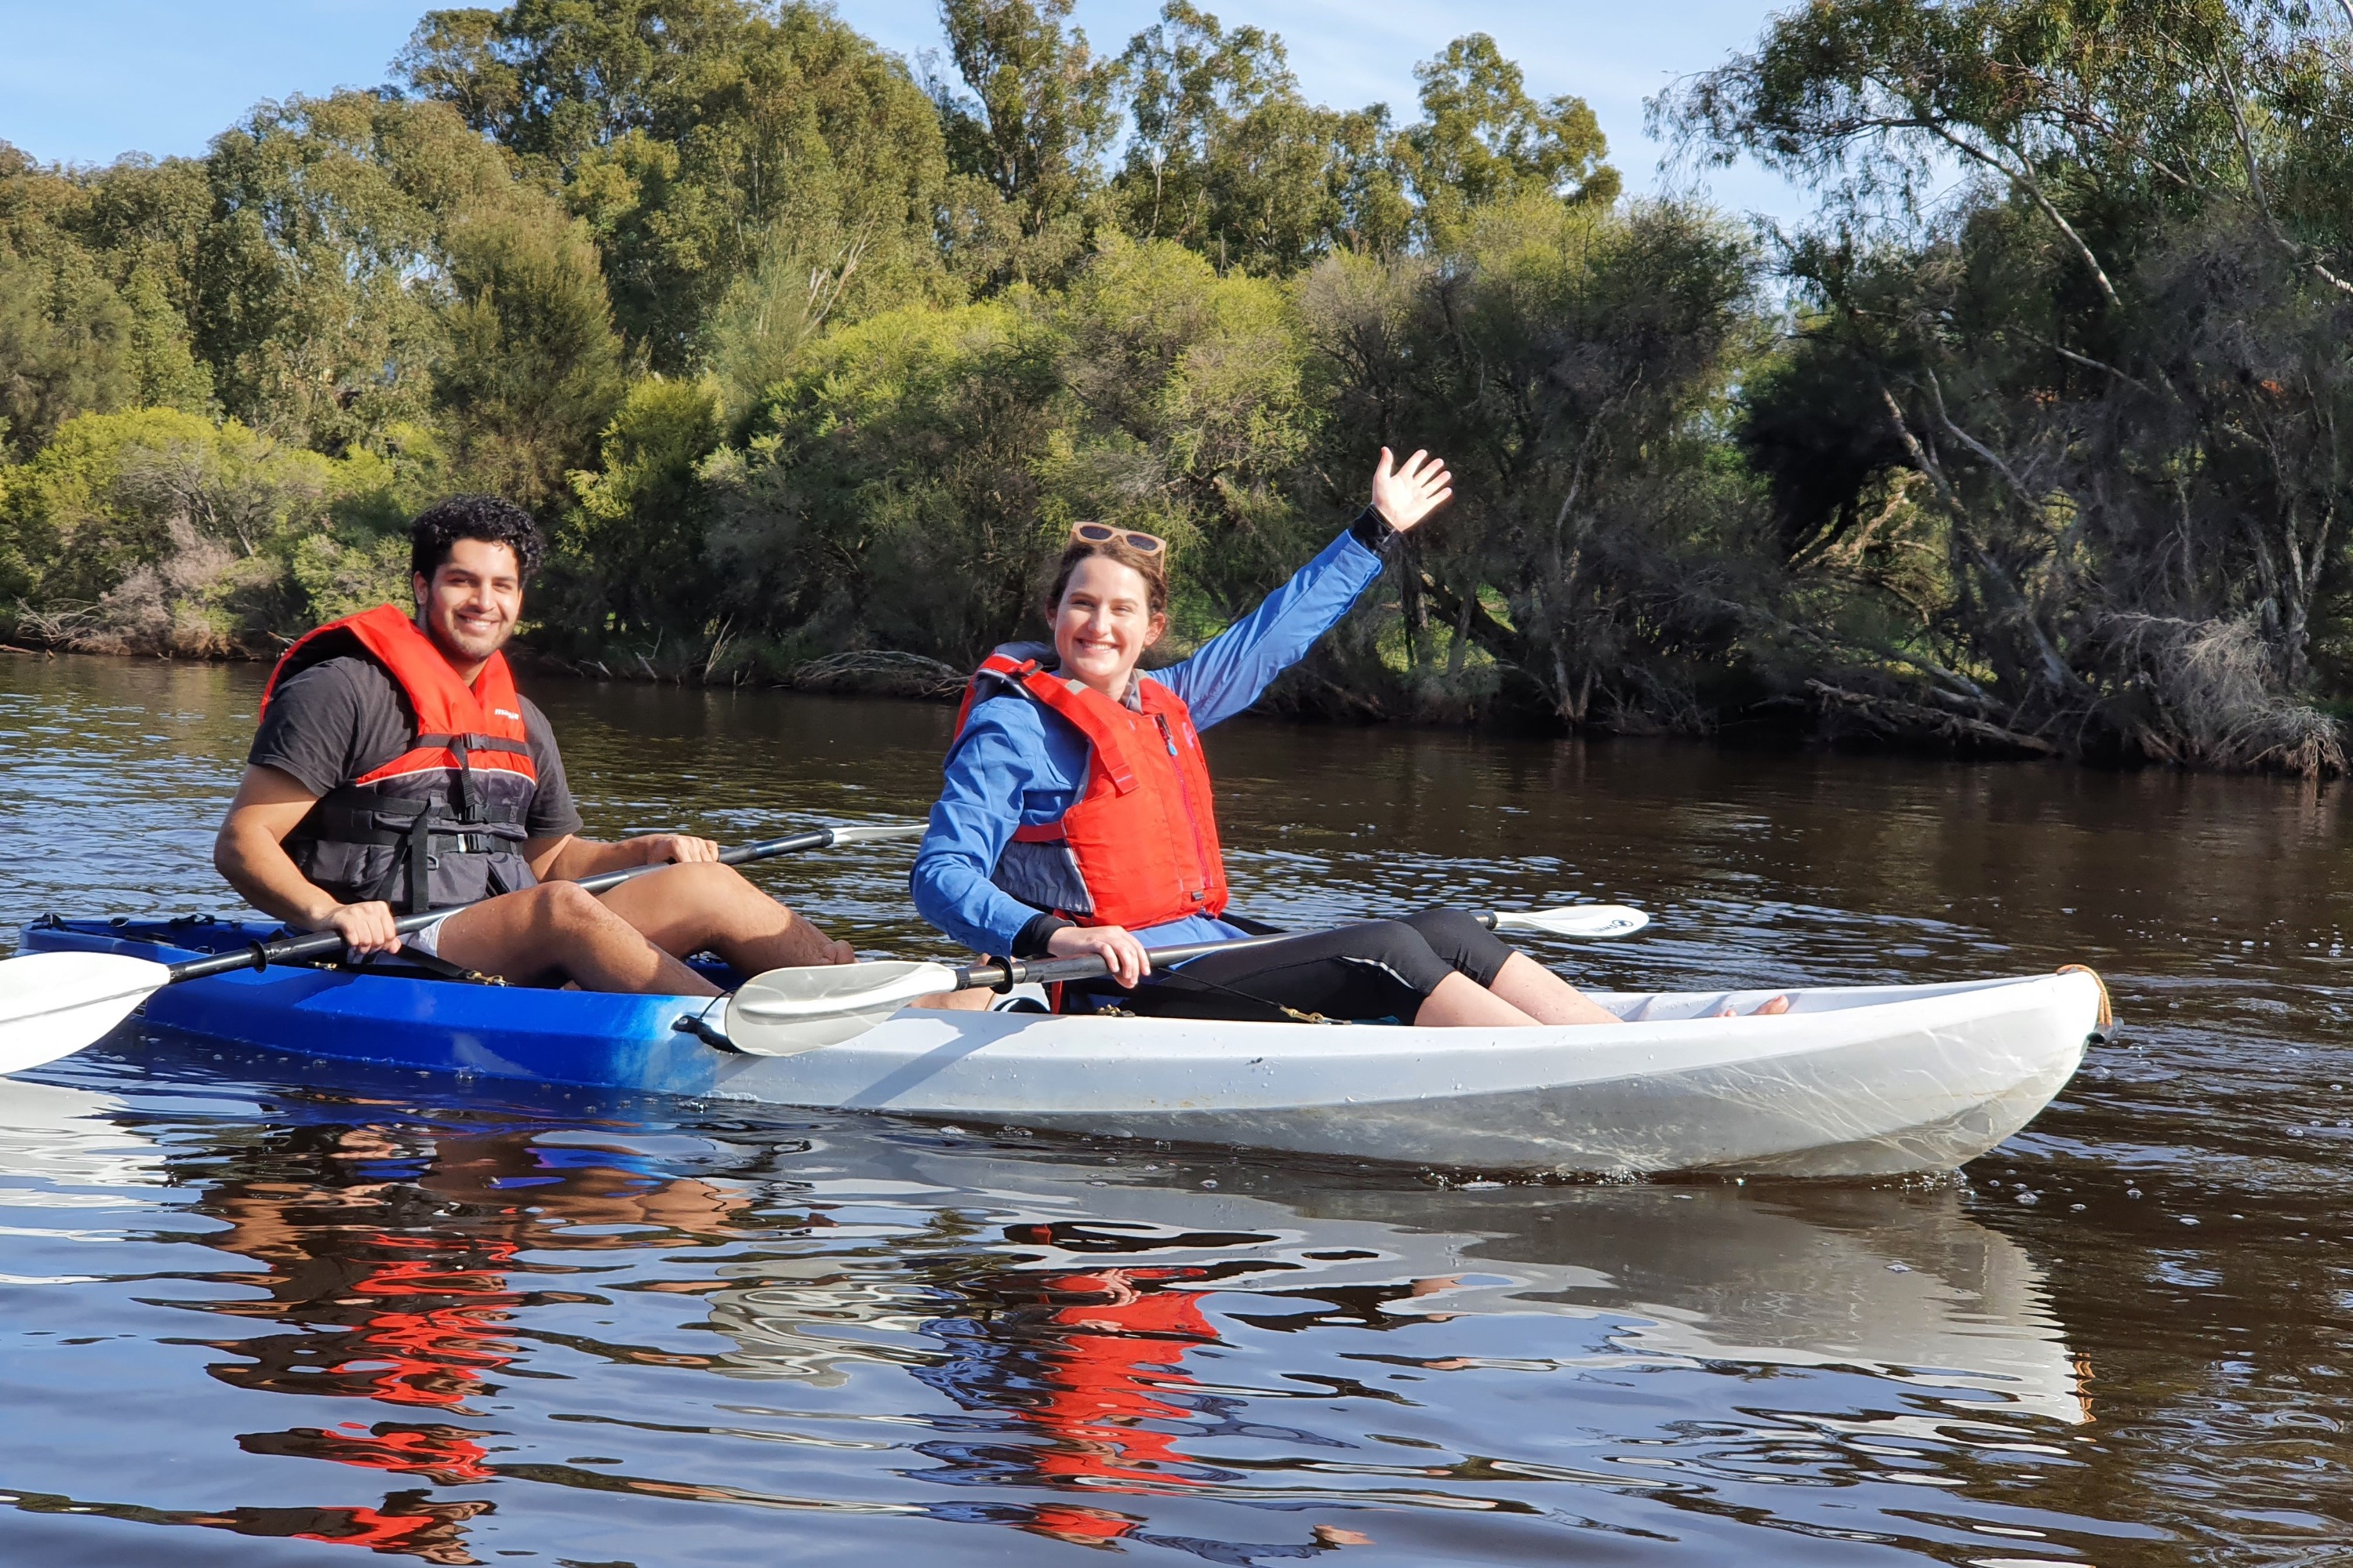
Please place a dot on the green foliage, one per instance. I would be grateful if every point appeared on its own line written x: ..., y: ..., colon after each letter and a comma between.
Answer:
x: 1568, y: 361
x: 893, y: 494
x: 155, y: 530
x: 633, y: 547
x: 2108, y: 378
x: 796, y: 355
x: 696, y: 136
x: 532, y: 368
x: 911, y: 480
x: 1483, y: 140
x: 1037, y: 112
x: 1228, y: 157
x: 313, y: 300
x: 65, y: 345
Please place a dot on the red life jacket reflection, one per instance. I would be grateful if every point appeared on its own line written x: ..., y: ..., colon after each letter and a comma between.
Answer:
x: 442, y: 823
x: 1139, y: 847
x: 1110, y: 1371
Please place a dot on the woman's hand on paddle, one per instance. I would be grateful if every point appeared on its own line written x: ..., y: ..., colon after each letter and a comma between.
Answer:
x: 677, y: 848
x: 366, y: 928
x: 1404, y: 493
x: 1128, y: 961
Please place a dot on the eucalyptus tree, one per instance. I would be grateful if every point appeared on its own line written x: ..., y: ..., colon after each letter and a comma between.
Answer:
x: 1027, y: 124
x: 91, y: 295
x: 694, y: 136
x: 1483, y: 140
x: 1226, y: 156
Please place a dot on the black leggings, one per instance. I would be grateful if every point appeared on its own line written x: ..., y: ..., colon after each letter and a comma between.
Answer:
x: 1382, y: 969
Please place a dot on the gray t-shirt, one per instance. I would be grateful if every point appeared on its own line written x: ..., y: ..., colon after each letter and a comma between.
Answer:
x: 346, y: 716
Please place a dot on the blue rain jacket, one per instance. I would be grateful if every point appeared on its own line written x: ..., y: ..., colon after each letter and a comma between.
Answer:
x: 1017, y: 765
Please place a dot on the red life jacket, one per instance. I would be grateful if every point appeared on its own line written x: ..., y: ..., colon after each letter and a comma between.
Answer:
x: 443, y: 822
x: 1139, y: 847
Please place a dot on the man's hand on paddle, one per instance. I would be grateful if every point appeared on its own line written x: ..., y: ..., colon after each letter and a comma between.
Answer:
x: 677, y: 848
x: 1129, y: 962
x: 1407, y: 492
x: 366, y: 928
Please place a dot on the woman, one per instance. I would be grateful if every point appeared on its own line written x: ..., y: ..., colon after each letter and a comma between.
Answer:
x: 1077, y: 817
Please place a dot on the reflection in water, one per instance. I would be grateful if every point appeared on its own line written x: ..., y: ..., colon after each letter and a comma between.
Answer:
x: 68, y: 1142
x: 1086, y: 1351
x: 416, y: 1321
x: 407, y: 1525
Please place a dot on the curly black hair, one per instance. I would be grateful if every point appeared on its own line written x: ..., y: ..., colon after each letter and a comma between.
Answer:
x: 484, y: 517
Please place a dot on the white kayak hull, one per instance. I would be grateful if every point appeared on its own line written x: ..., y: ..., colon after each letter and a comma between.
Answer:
x: 1856, y: 1081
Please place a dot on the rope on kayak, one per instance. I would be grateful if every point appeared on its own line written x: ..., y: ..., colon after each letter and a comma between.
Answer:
x: 2108, y: 1013
x: 1290, y: 1012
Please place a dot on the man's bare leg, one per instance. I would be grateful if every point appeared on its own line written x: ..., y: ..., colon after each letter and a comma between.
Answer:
x: 559, y: 931
x: 974, y: 1001
x: 707, y: 907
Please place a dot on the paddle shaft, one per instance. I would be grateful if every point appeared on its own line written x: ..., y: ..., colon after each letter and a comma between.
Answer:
x: 1004, y: 974
x: 319, y: 944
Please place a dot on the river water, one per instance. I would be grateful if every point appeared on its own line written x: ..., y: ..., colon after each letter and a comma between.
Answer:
x: 249, y: 1321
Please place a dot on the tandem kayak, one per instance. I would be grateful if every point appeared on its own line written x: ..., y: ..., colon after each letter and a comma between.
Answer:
x: 1852, y: 1081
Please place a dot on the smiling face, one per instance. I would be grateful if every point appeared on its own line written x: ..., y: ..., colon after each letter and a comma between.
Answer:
x: 472, y: 605
x: 1103, y: 624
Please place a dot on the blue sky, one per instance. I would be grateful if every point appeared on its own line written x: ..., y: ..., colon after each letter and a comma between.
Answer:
x: 85, y: 81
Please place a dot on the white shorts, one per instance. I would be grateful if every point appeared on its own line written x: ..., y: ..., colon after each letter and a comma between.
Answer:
x: 427, y: 940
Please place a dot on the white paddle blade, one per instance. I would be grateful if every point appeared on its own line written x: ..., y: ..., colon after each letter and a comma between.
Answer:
x: 53, y: 1004
x: 786, y: 1012
x: 1576, y: 921
x: 875, y: 835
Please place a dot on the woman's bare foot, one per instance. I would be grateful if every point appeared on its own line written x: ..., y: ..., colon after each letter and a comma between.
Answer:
x: 1772, y: 1007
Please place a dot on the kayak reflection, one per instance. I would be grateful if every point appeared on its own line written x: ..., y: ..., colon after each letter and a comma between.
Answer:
x: 1086, y: 1348
x: 1899, y: 1284
x: 1078, y: 1368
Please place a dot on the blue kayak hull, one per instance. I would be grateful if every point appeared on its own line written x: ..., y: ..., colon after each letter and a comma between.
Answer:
x: 588, y: 1038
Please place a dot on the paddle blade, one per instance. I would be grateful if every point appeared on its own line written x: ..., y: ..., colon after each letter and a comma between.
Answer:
x: 53, y: 1004
x: 876, y: 835
x: 1582, y: 922
x: 786, y: 1012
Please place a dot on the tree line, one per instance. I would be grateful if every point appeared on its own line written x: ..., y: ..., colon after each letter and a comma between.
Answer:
x: 2030, y: 440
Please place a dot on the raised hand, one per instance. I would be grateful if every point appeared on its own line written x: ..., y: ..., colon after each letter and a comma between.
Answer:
x: 1407, y: 492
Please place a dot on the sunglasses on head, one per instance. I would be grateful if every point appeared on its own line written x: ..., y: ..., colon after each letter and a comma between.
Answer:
x: 1103, y: 534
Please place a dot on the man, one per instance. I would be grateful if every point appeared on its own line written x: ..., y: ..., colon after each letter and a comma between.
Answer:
x: 396, y: 768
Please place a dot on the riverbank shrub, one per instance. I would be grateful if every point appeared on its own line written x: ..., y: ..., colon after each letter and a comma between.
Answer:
x: 157, y: 531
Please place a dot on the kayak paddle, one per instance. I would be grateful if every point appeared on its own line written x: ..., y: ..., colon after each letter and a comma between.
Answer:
x: 53, y: 1004
x: 786, y: 1012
